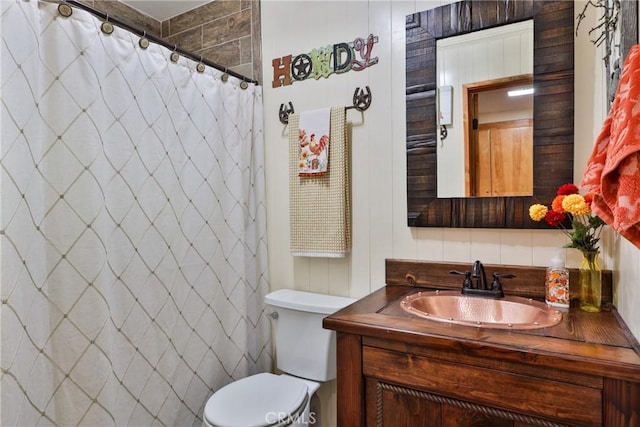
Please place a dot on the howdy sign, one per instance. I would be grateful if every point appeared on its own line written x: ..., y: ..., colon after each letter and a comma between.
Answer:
x: 324, y: 61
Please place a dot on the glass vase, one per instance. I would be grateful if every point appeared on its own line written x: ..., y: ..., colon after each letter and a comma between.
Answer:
x: 590, y: 282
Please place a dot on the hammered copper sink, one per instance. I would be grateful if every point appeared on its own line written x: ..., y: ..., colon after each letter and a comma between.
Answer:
x: 510, y: 312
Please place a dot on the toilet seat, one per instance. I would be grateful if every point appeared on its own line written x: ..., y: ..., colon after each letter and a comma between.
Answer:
x: 261, y: 400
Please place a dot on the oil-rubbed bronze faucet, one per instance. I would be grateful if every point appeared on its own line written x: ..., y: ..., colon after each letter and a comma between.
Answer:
x: 478, y: 276
x: 475, y: 282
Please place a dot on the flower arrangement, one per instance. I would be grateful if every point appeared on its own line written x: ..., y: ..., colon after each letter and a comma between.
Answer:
x: 585, y: 229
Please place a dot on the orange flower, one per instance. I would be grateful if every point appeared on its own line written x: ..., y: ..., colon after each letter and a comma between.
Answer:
x: 556, y: 205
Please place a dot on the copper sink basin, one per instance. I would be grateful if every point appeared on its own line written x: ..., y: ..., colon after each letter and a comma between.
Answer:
x: 510, y: 312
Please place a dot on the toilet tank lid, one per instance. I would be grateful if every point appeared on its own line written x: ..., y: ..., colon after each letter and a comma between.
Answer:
x: 307, y: 301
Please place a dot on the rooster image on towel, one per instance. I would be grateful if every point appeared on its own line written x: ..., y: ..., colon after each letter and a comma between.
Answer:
x: 314, y: 154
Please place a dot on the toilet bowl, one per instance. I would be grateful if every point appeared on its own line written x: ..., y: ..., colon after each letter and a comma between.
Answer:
x: 262, y: 400
x: 305, y: 355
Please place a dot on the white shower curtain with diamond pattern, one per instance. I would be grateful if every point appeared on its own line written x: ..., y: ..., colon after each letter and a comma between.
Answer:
x: 132, y: 227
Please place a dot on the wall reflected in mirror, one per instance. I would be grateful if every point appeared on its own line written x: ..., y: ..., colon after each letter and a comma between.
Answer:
x: 488, y: 149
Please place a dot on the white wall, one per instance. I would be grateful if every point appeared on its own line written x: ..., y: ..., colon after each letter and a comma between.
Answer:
x: 379, y: 160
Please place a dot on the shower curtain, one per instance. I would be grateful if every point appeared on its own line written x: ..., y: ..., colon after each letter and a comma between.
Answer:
x: 132, y: 227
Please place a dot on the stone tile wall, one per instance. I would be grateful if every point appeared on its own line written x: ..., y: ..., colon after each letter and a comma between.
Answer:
x: 127, y: 14
x: 226, y: 32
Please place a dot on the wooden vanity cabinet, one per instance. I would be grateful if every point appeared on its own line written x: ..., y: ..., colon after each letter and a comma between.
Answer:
x: 410, y: 386
x: 389, y: 405
x: 396, y: 370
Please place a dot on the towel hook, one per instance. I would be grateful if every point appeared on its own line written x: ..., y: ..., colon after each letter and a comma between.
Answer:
x: 361, y: 98
x: 284, y: 113
x: 443, y: 132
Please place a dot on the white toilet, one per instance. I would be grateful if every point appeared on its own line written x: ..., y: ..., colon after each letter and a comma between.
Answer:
x: 305, y: 352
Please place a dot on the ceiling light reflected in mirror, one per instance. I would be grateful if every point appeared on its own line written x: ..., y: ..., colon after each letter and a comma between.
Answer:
x: 520, y: 92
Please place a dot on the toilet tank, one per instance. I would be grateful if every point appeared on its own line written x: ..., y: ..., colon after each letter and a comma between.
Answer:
x: 303, y: 347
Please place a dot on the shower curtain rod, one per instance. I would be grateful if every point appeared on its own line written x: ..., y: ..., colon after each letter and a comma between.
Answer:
x: 154, y: 39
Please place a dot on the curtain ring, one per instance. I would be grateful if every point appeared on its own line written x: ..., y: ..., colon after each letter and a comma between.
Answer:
x: 244, y: 84
x: 225, y: 76
x: 106, y: 26
x: 144, y: 41
x: 174, y: 55
x: 65, y: 10
x: 200, y: 66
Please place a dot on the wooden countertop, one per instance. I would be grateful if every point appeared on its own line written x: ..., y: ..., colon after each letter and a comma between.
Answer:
x: 585, y: 343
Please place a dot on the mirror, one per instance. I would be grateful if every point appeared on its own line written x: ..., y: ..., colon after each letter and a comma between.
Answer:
x: 487, y: 149
x: 553, y: 42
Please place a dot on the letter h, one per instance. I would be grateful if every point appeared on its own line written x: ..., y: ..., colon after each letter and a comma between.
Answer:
x: 281, y: 71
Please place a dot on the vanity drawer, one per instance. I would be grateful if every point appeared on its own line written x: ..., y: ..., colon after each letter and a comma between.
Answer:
x: 574, y: 404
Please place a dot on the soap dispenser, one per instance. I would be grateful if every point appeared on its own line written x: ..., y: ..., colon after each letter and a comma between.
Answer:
x: 557, y: 283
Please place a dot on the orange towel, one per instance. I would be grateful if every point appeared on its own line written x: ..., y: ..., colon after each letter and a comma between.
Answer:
x: 613, y: 170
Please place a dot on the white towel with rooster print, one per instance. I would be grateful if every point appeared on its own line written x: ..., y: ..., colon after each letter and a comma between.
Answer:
x: 313, y: 142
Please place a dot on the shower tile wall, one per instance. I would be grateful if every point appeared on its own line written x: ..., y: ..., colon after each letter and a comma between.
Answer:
x: 127, y: 14
x: 226, y: 32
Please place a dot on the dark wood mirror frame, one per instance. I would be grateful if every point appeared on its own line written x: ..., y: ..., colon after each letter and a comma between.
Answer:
x: 553, y: 107
x: 552, y: 110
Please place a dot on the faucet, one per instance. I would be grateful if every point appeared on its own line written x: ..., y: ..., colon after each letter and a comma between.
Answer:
x: 478, y: 276
x: 475, y: 282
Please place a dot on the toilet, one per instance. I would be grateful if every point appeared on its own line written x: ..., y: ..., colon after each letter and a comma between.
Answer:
x: 305, y: 353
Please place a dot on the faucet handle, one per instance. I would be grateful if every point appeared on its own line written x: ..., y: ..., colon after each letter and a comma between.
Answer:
x: 496, y: 285
x: 467, y: 278
x: 461, y: 273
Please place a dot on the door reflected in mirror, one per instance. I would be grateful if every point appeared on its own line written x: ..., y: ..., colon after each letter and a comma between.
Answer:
x: 488, y: 148
x: 498, y: 137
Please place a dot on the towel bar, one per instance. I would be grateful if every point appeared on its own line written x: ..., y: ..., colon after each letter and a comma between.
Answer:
x: 361, y: 101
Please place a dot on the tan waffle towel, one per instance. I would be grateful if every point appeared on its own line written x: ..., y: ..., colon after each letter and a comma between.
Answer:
x: 320, y: 205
